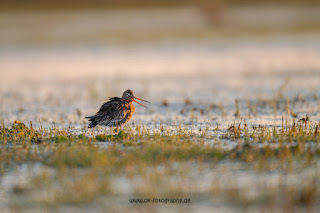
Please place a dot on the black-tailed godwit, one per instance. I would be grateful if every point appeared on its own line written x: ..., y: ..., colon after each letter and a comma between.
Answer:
x: 116, y: 112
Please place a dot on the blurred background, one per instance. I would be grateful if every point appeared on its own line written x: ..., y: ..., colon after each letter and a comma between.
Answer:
x: 62, y: 58
x: 206, y: 66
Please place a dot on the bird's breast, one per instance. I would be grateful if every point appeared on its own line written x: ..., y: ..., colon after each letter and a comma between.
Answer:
x: 131, y: 110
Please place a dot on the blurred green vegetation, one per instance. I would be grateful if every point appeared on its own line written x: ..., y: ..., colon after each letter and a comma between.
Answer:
x: 77, y: 169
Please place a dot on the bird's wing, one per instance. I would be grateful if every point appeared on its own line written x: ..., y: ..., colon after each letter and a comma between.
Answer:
x: 110, y: 111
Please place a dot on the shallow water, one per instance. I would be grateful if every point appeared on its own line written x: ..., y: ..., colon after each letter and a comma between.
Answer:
x: 62, y: 86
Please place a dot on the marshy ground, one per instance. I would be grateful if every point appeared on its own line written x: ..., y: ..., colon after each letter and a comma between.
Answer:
x: 233, y: 125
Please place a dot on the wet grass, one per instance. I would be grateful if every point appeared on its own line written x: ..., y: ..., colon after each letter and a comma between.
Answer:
x: 82, y: 168
x: 302, y: 134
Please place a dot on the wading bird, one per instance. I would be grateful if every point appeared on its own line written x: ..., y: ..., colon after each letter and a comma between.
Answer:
x: 116, y: 112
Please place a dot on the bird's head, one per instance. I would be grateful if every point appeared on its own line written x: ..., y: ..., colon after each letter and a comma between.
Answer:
x: 129, y: 96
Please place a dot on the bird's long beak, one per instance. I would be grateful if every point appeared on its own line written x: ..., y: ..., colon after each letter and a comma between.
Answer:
x: 140, y: 100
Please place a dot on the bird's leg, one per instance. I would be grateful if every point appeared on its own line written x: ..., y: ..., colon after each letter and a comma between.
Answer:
x: 110, y: 130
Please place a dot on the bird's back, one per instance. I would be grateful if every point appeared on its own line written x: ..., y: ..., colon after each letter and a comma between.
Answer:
x: 115, y: 112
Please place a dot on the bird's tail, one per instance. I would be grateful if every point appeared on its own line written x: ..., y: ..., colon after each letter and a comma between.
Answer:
x: 93, y: 122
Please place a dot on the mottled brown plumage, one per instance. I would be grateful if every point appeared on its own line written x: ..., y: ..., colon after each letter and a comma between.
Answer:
x: 115, y: 112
